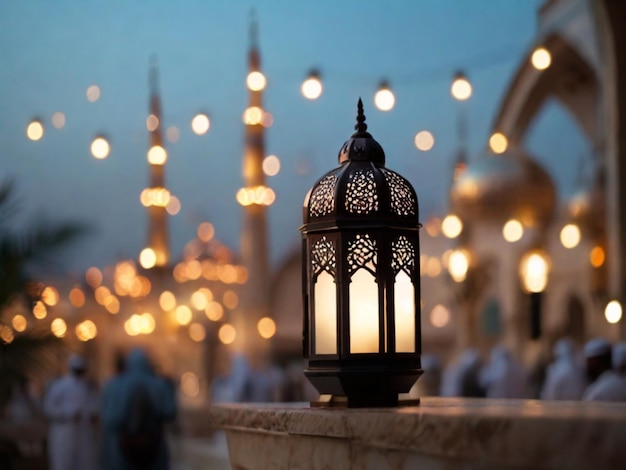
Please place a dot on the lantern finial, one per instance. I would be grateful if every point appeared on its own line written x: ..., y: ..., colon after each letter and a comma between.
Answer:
x: 360, y: 125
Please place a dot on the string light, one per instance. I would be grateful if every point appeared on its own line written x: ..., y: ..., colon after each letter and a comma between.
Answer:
x: 256, y: 81
x: 312, y: 87
x: 35, y: 130
x: 498, y: 143
x: 200, y: 124
x: 541, y: 58
x: 461, y: 88
x: 100, y: 148
x: 384, y: 98
x: 424, y: 141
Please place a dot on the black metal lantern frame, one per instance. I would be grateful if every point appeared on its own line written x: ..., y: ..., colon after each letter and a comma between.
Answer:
x: 361, y: 287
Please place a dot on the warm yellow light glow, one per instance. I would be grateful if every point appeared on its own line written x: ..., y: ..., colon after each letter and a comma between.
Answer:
x: 513, y: 230
x: 86, y: 330
x: 172, y: 133
x: 253, y: 116
x: 35, y: 130
x: 266, y: 327
x: 312, y: 87
x: 190, y: 384
x: 498, y: 143
x: 101, y: 294
x: 570, y: 236
x: 6, y: 334
x: 132, y: 326
x: 267, y: 120
x: 152, y: 122
x: 433, y: 267
x: 183, y: 315
x: 439, y: 316
x: 147, y: 323
x: 259, y: 195
x: 541, y: 58
x: 433, y: 226
x: 199, y: 300
x: 93, y: 93
x: 93, y: 276
x: 227, y: 333
x: 364, y: 327
x: 271, y: 165
x: 458, y: 264
x: 404, y: 313
x: 461, y: 88
x: 534, y: 269
x: 451, y: 226
x: 206, y: 231
x: 384, y: 98
x: 424, y: 141
x: 147, y: 258
x: 39, y: 310
x: 50, y: 296
x: 77, y: 297
x: 597, y: 256
x: 214, y: 311
x: 100, y: 148
x: 19, y: 323
x: 58, y: 327
x: 255, y: 81
x: 112, y: 305
x: 230, y: 299
x: 173, y: 207
x: 157, y: 155
x: 167, y: 300
x: 200, y: 124
x: 197, y: 332
x: 58, y: 120
x: 613, y: 312
x: 325, y: 314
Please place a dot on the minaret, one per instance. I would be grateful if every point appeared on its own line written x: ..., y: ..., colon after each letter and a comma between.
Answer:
x: 254, y: 197
x: 158, y: 195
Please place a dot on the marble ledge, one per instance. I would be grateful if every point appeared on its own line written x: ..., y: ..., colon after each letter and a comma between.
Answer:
x: 441, y: 433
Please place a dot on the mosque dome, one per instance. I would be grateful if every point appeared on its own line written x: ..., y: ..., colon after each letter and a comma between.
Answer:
x: 501, y: 187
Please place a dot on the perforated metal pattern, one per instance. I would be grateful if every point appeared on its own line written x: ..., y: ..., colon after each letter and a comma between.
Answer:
x: 361, y: 197
x: 402, y: 199
x: 362, y: 254
x: 403, y: 255
x: 323, y: 197
x: 323, y: 257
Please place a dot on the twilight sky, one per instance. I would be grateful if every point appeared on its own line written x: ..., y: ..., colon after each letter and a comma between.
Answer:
x: 51, y: 52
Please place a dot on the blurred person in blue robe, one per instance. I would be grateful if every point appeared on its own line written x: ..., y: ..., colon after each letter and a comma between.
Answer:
x: 565, y: 377
x: 136, y: 397
x: 611, y: 385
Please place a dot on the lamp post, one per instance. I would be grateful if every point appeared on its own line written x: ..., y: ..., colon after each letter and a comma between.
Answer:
x: 534, y: 269
x: 361, y: 289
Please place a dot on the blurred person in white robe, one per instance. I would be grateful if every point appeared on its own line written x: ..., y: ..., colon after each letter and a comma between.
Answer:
x: 565, y: 377
x: 611, y: 385
x: 503, y: 376
x: 71, y: 405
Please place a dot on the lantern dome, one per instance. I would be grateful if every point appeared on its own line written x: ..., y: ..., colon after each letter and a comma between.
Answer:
x: 361, y: 190
x: 501, y: 187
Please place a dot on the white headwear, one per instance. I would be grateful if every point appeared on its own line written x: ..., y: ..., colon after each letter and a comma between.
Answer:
x: 597, y: 347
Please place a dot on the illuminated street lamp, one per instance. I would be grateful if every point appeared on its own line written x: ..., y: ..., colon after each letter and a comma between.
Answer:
x: 534, y: 269
x: 361, y: 287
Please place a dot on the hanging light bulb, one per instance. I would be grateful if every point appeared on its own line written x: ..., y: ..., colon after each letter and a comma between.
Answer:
x: 541, y: 58
x: 461, y: 88
x: 312, y: 87
x: 384, y: 98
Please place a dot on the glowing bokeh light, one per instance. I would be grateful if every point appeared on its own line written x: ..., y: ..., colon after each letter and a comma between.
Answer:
x: 613, y: 312
x: 597, y: 256
x: 35, y: 130
x: 50, y: 296
x: 266, y: 327
x: 173, y: 134
x: 173, y: 207
x: 439, y: 316
x: 19, y: 323
x: 256, y: 81
x: 541, y: 58
x: 227, y: 333
x: 197, y: 332
x: 157, y: 155
x: 39, y: 310
x: 461, y: 88
x: 152, y: 122
x: 205, y: 231
x: 230, y: 299
x: 93, y: 93
x: 253, y: 116
x: 147, y: 258
x: 183, y: 315
x: 214, y: 311
x: 312, y: 87
x: 384, y: 98
x: 77, y: 297
x: 100, y: 148
x: 6, y: 334
x: 58, y: 120
x: 58, y: 327
x: 498, y: 143
x: 513, y: 230
x: 167, y: 300
x: 93, y: 276
x: 271, y: 165
x: 458, y: 264
x: 424, y: 141
x: 200, y: 124
x: 451, y: 226
x: 190, y: 384
x: 86, y: 330
x: 570, y: 236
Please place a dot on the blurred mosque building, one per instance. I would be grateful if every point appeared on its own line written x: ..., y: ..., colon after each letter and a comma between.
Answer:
x: 510, y: 264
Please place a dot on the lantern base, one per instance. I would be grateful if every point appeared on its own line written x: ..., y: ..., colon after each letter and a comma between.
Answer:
x: 339, y: 401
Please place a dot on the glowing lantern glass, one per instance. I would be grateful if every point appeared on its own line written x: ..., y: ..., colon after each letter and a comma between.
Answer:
x: 361, y: 287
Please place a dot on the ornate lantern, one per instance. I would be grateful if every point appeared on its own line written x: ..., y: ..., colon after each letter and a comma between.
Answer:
x: 361, y: 287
